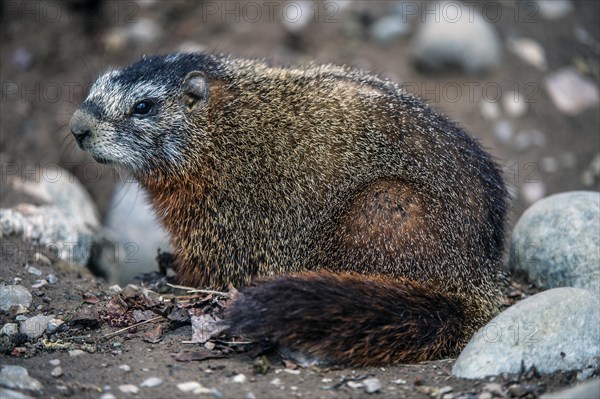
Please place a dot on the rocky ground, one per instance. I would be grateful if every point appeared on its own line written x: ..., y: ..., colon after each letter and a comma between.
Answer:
x: 521, y: 76
x: 84, y: 357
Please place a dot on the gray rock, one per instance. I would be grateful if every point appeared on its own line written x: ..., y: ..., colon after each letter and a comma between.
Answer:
x: 151, y: 382
x: 503, y: 131
x: 587, y: 390
x: 66, y: 222
x: 56, y: 372
x: 10, y: 329
x: 297, y: 15
x: 529, y: 51
x: 390, y: 27
x: 141, y: 33
x: 54, y: 325
x: 555, y: 330
x: 554, y: 9
x: 372, y: 385
x: 34, y: 327
x: 514, y: 103
x: 14, y: 295
x: 570, y: 92
x: 456, y: 36
x: 17, y: 377
x: 10, y: 394
x: 533, y: 191
x: 555, y: 243
x: 132, y: 246
x: 129, y: 388
x: 34, y: 270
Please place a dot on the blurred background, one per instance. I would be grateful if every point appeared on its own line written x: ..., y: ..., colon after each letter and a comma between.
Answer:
x: 521, y: 76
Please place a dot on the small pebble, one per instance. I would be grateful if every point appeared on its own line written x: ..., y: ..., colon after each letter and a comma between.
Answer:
x: 516, y: 391
x: 34, y: 270
x: 554, y: 9
x: 372, y: 385
x: 151, y: 382
x: 297, y: 15
x: 503, y: 131
x: 587, y: 178
x: 529, y: 51
x: 54, y: 324
x: 355, y: 384
x: 390, y: 27
x: 534, y: 191
x: 276, y: 382
x: 129, y: 388
x: 56, y: 372
x: 76, y: 352
x: 494, y: 388
x: 568, y: 160
x: 54, y: 362
x: 399, y: 381
x: 10, y: 329
x: 514, y: 104
x: 250, y: 395
x: 52, y: 279
x: 116, y: 288
x: 549, y: 165
x: 490, y: 110
x: 22, y: 58
x: 108, y: 395
x: 240, y: 378
x: 571, y: 92
x: 125, y: 368
x: 39, y: 284
x: 290, y: 371
x: 194, y: 387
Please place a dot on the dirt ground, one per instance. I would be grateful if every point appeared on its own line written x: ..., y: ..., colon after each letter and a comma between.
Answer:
x: 51, y: 51
x: 78, y: 297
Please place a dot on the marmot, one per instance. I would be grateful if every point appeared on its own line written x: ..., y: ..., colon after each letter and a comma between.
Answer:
x: 367, y: 228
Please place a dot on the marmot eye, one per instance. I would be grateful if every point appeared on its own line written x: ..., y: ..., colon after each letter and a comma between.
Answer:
x: 142, y: 107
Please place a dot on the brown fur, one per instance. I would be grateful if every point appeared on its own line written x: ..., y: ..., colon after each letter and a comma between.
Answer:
x: 384, y: 221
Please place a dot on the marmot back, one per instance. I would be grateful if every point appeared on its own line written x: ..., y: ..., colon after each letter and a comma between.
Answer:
x: 369, y: 227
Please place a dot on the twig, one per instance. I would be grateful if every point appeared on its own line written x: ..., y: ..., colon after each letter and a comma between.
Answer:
x: 131, y: 326
x: 192, y: 290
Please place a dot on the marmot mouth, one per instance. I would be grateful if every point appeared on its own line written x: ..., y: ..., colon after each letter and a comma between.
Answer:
x: 101, y: 160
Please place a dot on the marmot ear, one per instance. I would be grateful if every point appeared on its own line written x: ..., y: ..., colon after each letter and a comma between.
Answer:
x: 195, y: 90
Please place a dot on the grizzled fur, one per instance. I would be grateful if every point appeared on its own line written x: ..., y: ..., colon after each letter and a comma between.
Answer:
x: 384, y: 220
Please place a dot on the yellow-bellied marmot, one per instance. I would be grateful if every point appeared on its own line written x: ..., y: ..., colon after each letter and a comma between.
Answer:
x: 369, y: 228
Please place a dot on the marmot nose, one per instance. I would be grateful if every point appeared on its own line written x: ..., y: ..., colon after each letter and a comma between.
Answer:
x: 80, y: 126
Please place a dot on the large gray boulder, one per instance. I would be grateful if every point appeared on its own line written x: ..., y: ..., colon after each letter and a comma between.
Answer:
x: 64, y: 218
x: 556, y: 243
x: 454, y: 35
x: 132, y: 235
x: 555, y: 330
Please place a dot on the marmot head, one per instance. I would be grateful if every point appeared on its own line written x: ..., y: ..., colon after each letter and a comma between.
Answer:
x: 141, y: 117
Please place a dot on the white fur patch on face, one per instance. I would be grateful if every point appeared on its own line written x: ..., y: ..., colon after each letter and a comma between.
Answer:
x: 107, y: 94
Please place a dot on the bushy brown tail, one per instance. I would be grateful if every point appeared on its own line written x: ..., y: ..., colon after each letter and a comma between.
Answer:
x: 351, y: 319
